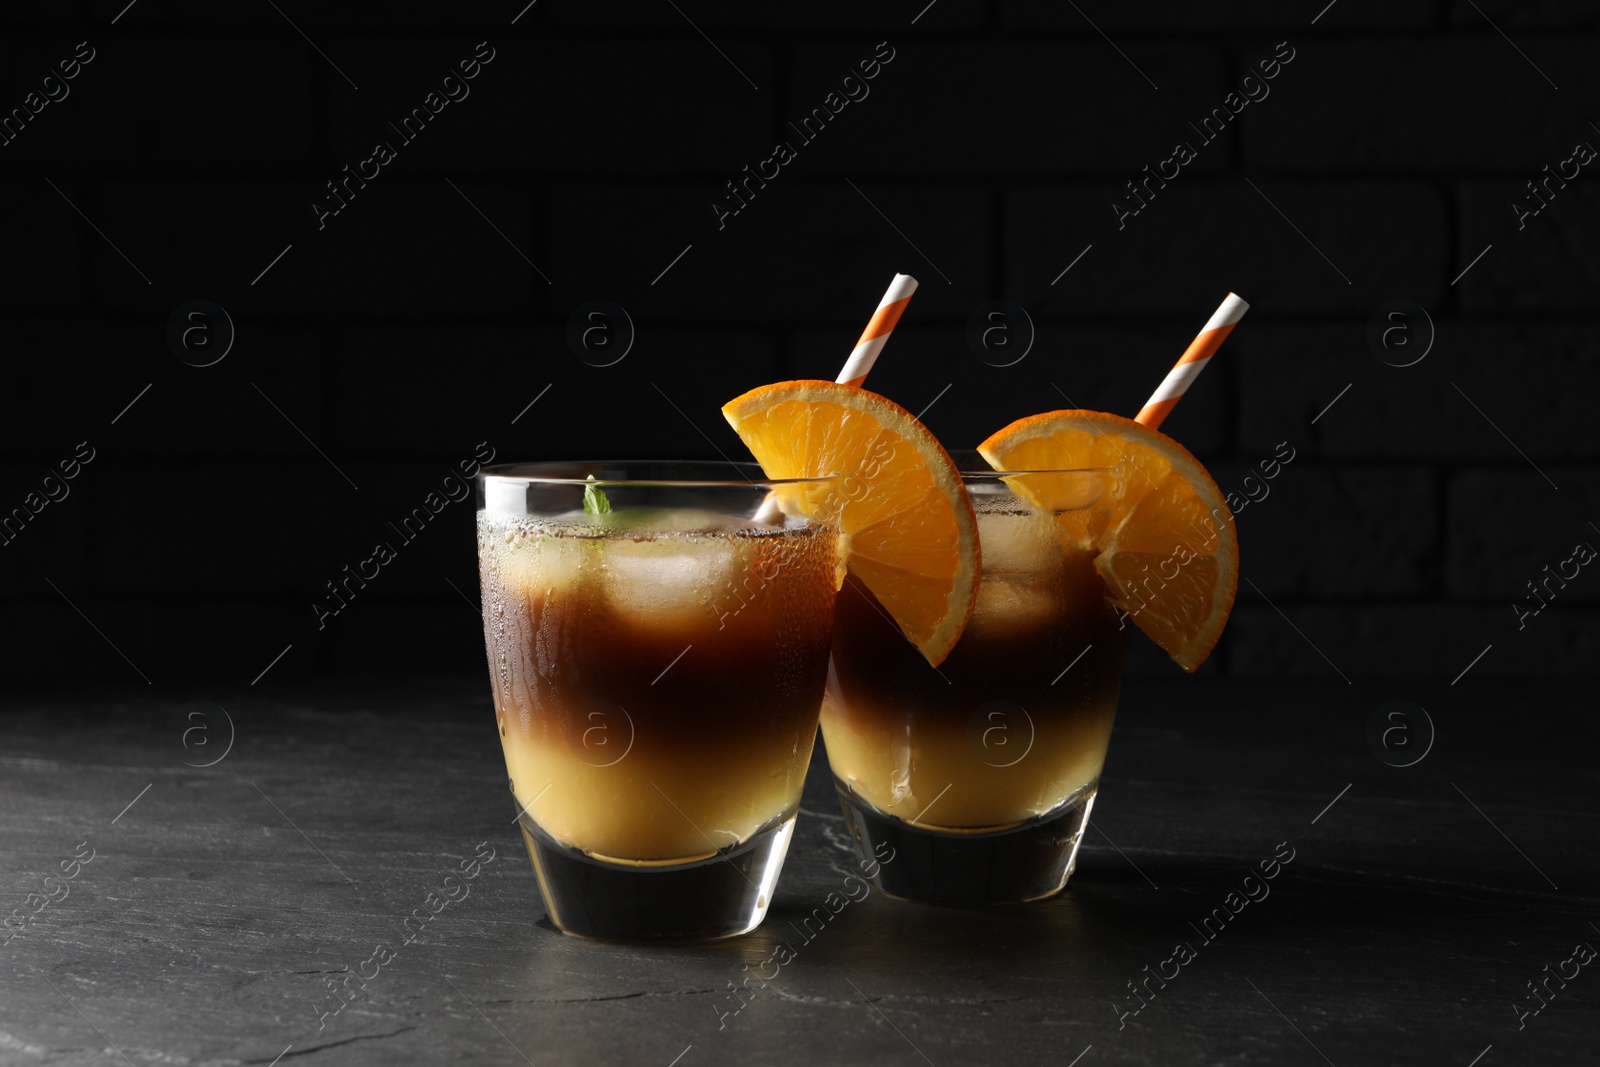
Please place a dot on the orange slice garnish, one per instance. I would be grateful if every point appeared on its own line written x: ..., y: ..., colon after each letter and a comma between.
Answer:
x: 906, y: 527
x: 1163, y: 536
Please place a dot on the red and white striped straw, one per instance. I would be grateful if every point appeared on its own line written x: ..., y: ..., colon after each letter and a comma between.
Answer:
x: 1192, y: 362
x: 855, y: 369
x: 876, y: 335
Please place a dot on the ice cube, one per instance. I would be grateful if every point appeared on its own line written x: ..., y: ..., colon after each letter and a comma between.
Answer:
x: 668, y: 582
x: 671, y: 521
x: 1018, y: 542
x: 1010, y: 607
x: 538, y: 564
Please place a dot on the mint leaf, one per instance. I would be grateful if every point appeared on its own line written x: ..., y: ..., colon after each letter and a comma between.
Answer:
x: 594, y: 499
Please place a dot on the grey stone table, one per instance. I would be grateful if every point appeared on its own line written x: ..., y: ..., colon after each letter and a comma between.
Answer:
x: 256, y: 910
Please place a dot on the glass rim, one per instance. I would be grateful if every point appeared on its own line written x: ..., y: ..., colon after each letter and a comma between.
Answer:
x: 996, y: 475
x: 541, y: 473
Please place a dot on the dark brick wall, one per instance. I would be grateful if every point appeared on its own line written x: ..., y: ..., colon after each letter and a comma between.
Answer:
x: 379, y: 350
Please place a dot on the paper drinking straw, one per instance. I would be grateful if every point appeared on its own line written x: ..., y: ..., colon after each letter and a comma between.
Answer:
x: 855, y: 369
x: 1192, y: 362
x: 876, y: 335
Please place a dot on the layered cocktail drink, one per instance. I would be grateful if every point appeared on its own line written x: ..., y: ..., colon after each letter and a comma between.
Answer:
x: 659, y: 640
x: 980, y: 773
x: 658, y: 659
x: 977, y: 650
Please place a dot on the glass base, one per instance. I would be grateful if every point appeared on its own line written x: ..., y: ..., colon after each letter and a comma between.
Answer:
x: 705, y: 899
x: 1026, y: 861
